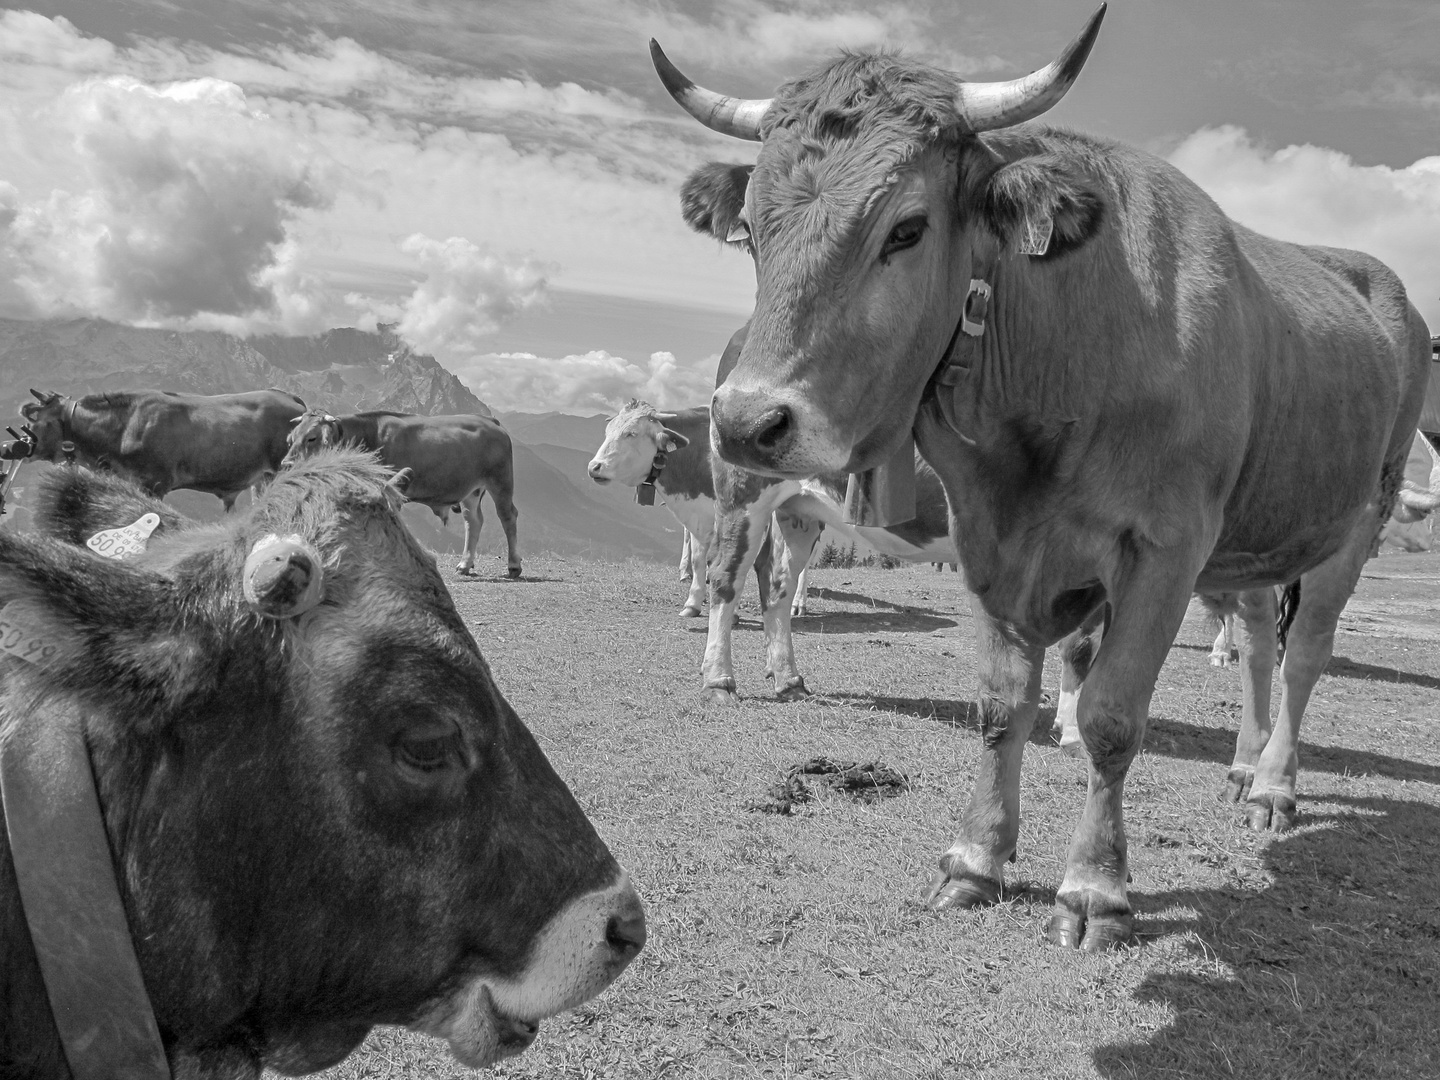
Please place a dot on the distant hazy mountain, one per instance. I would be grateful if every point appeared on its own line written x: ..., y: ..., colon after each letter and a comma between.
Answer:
x: 584, y: 433
x: 343, y: 370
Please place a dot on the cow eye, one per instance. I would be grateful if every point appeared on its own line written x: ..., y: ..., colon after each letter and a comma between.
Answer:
x: 904, y: 235
x: 425, y: 754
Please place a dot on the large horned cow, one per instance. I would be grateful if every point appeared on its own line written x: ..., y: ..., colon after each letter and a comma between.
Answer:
x: 1127, y: 396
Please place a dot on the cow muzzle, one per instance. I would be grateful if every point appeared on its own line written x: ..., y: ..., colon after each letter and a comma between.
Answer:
x: 582, y: 950
x: 773, y: 432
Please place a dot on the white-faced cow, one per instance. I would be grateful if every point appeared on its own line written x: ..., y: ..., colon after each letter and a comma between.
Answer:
x: 453, y: 462
x: 323, y: 814
x: 220, y: 443
x: 728, y: 511
x: 1127, y: 396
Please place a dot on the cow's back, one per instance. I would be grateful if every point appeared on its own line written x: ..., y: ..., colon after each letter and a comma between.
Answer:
x: 449, y: 456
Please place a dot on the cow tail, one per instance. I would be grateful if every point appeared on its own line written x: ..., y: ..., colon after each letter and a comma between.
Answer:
x: 1289, y: 605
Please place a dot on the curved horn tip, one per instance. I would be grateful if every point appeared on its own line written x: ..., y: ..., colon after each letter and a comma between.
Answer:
x: 283, y: 577
x: 1078, y: 51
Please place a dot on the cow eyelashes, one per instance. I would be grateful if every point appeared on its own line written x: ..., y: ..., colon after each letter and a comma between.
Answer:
x: 904, y: 235
x: 426, y: 755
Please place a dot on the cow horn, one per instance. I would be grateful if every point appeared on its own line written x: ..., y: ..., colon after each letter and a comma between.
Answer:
x: 283, y: 577
x: 44, y: 399
x: 987, y: 106
x: 738, y: 117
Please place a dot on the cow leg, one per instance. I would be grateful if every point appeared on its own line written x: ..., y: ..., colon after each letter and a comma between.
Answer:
x: 792, y: 540
x: 700, y: 545
x: 1008, y: 697
x: 1092, y: 909
x: 1255, y: 620
x: 739, y: 534
x: 1077, y: 654
x: 1324, y: 591
x: 1221, y: 609
x: 802, y: 586
x: 686, y: 559
x: 474, y: 519
x: 505, y: 510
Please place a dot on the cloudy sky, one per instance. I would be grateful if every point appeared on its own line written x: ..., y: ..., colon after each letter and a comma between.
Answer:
x: 501, y: 177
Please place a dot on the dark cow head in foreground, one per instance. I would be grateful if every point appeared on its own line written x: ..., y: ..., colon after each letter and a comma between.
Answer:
x: 633, y: 437
x: 323, y: 813
x: 314, y: 431
x: 872, y: 203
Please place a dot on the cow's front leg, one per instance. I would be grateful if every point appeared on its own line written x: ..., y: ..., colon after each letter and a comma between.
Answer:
x: 738, y: 536
x: 794, y: 538
x: 1255, y: 631
x: 1092, y: 908
x: 474, y: 518
x: 1324, y: 592
x: 1077, y: 654
x: 1008, y: 695
x: 700, y: 547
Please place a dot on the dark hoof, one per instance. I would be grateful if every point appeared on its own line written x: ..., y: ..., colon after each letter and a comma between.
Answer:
x: 1071, y: 929
x: 1237, y: 785
x: 1275, y: 813
x: 465, y: 571
x: 964, y: 891
x: 794, y: 692
x: 513, y: 571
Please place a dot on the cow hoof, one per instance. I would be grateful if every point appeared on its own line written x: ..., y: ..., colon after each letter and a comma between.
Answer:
x: 722, y: 692
x: 513, y: 571
x: 461, y: 568
x: 1073, y: 747
x: 1072, y: 929
x: 794, y: 692
x: 1275, y: 813
x: 961, y: 891
x: 1237, y: 785
x: 1219, y: 660
x: 689, y: 611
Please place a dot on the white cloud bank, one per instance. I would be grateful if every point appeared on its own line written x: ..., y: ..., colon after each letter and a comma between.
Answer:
x: 1315, y: 195
x: 591, y: 382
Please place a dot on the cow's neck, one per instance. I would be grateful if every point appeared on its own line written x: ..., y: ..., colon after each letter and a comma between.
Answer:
x: 95, y: 426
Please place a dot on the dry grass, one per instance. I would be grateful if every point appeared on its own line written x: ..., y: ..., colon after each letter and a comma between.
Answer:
x: 798, y: 947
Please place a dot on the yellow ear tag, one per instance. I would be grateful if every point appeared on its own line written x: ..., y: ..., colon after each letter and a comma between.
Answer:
x: 1035, y: 236
x: 126, y: 541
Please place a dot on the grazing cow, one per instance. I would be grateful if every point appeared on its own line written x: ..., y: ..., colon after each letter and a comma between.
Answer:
x: 1127, y: 397
x: 323, y: 814
x: 220, y: 443
x: 453, y: 462
x: 672, y: 450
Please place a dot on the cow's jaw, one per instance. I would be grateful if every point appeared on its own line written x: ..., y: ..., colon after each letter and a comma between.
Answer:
x: 574, y: 958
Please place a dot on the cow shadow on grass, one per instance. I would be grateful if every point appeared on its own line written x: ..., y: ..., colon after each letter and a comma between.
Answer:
x: 955, y: 713
x: 894, y: 621
x: 1185, y: 741
x: 1343, y: 667
x: 1321, y: 961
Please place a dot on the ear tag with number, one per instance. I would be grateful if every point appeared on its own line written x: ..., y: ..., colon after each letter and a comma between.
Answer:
x: 18, y: 636
x: 1035, y: 236
x: 125, y: 542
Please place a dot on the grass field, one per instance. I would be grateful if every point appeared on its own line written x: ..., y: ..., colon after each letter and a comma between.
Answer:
x: 797, y: 946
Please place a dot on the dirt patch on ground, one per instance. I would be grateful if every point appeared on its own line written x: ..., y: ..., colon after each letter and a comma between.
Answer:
x: 865, y: 783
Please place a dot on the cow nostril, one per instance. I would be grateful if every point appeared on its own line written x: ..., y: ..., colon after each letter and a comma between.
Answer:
x: 774, y: 428
x: 626, y: 934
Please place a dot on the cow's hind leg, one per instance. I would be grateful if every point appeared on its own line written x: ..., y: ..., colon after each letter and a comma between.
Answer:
x: 1221, y: 610
x: 1077, y: 653
x: 1147, y: 604
x: 1255, y: 631
x: 739, y: 533
x: 700, y: 546
x: 802, y: 587
x: 505, y: 510
x: 793, y: 538
x: 1324, y: 592
x: 1008, y: 695
x: 474, y: 519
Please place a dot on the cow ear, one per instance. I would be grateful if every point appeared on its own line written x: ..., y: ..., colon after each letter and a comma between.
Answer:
x: 670, y: 441
x: 1042, y: 191
x: 713, y: 196
x: 30, y: 411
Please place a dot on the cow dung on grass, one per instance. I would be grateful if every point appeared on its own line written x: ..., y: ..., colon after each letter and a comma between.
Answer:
x: 865, y: 783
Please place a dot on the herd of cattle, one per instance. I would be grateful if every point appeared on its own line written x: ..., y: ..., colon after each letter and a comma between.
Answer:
x: 1051, y: 357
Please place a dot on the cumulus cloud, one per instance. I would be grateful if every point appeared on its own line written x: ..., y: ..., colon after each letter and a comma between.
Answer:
x: 595, y: 381
x: 185, y: 194
x: 1315, y: 195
